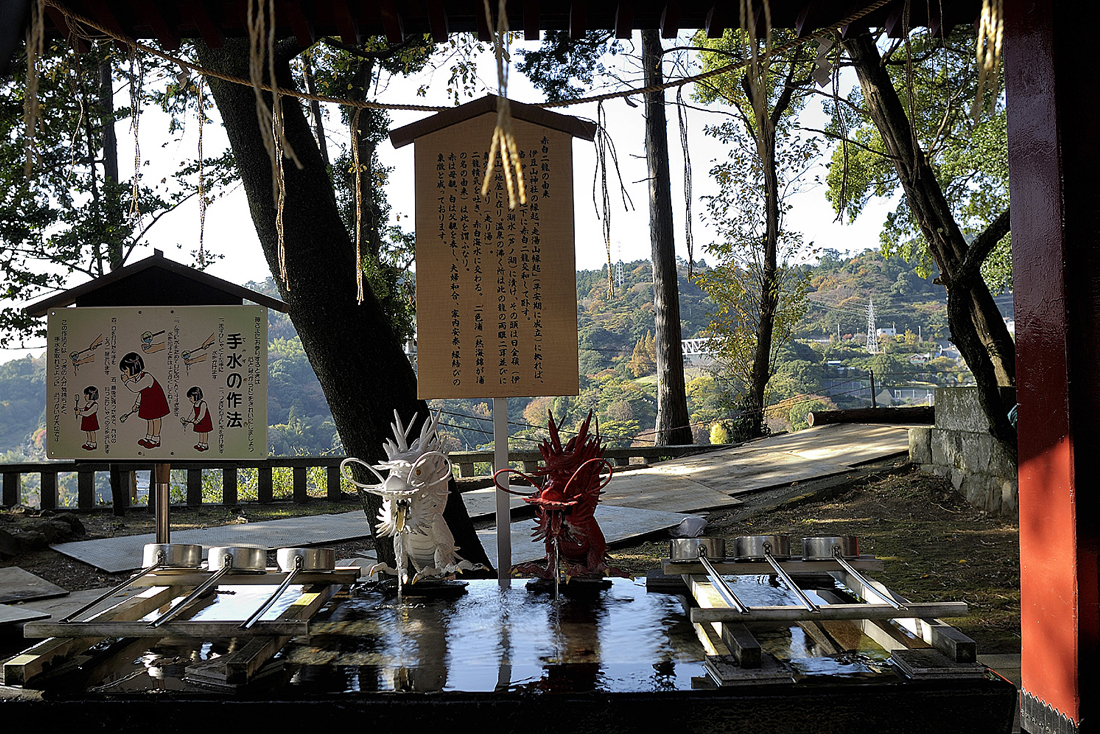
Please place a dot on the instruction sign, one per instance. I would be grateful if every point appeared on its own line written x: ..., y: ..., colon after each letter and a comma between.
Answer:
x: 496, y: 287
x: 153, y: 383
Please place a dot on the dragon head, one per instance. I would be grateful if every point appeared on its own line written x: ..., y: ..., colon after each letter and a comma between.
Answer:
x: 416, y: 481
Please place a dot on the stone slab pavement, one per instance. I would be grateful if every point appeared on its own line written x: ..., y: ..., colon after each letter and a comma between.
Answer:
x: 712, y: 480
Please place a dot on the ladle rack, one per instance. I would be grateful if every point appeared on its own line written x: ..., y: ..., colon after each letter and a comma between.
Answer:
x: 124, y: 617
x: 910, y: 631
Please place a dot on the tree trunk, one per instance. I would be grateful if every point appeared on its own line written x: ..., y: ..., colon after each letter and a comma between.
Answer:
x: 976, y: 325
x: 351, y: 346
x: 315, y: 109
x: 673, y: 426
x: 769, y: 277
x: 110, y: 153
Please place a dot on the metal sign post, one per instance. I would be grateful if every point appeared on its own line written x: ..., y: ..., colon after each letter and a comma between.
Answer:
x: 503, y: 516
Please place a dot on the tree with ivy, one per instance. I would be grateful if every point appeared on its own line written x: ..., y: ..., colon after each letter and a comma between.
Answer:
x: 909, y: 127
x: 759, y: 297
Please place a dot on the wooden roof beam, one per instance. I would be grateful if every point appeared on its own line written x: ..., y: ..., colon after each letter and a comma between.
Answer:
x: 437, y: 20
x: 202, y: 13
x: 300, y: 22
x: 717, y: 19
x: 391, y: 21
x: 101, y: 11
x: 531, y: 20
x: 578, y: 19
x: 345, y: 24
x: 808, y: 19
x: 77, y: 43
x: 896, y: 22
x: 484, y: 23
x: 624, y: 20
x: 670, y: 19
x: 163, y: 27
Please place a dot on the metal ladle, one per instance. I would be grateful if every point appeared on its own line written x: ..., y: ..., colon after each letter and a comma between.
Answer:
x: 228, y: 554
x: 813, y: 608
x: 295, y: 561
x: 159, y: 561
x: 720, y: 584
x: 838, y: 555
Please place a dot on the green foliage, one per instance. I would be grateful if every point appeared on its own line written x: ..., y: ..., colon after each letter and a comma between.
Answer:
x: 561, y: 59
x: 70, y: 217
x: 970, y: 160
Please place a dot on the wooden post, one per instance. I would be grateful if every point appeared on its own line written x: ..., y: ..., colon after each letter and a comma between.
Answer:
x: 194, y: 487
x: 85, y: 490
x: 333, y: 484
x: 874, y: 404
x: 229, y: 486
x: 163, y: 476
x: 120, y: 496
x: 48, y: 499
x: 265, y: 489
x: 1053, y: 156
x: 300, y: 495
x: 12, y: 485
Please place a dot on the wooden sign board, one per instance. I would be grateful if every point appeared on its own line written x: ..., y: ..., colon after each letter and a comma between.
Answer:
x: 496, y: 295
x: 153, y: 383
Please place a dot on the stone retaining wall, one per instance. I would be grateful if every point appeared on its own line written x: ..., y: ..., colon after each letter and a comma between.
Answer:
x: 960, y: 448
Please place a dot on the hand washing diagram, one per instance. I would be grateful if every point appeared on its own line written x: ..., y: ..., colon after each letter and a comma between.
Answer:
x: 202, y: 367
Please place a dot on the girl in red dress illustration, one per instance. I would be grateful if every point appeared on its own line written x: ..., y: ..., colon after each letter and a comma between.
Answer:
x: 89, y: 416
x: 151, y: 405
x: 200, y: 420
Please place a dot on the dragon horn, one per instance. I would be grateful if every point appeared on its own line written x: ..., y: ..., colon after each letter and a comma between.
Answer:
x: 555, y: 438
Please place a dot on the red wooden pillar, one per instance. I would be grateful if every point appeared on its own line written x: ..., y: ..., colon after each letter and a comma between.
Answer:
x: 1054, y: 160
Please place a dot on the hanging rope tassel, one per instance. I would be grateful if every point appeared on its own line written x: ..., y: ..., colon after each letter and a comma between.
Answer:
x: 261, y: 36
x: 689, y: 238
x: 504, y: 140
x: 988, y: 53
x: 202, y: 182
x: 359, y: 293
x: 137, y: 81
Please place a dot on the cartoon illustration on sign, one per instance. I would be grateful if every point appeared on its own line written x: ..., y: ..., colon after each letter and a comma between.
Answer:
x: 200, y: 420
x: 84, y: 356
x: 148, y: 345
x: 198, y: 354
x: 89, y: 416
x: 151, y: 405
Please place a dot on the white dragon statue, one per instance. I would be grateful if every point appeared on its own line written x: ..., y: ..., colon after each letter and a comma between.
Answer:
x: 414, y: 495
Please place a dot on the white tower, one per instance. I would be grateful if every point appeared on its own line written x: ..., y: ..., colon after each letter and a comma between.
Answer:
x: 872, y: 332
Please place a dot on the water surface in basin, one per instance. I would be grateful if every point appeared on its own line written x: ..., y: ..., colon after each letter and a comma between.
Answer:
x: 622, y: 639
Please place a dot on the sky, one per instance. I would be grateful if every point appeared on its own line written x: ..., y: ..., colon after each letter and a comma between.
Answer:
x: 229, y: 231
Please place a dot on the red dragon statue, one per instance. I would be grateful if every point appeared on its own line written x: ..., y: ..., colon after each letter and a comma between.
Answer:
x: 567, y: 491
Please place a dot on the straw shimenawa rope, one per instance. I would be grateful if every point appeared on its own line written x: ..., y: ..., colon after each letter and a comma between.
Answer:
x: 672, y: 84
x: 262, y: 35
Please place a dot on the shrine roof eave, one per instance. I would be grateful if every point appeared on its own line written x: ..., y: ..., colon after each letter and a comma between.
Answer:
x: 171, y: 22
x: 154, y: 281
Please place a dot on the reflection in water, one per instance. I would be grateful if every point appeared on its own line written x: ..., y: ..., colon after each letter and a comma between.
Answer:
x: 493, y: 639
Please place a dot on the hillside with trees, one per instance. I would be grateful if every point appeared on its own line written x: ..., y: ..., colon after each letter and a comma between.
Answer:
x: 825, y: 364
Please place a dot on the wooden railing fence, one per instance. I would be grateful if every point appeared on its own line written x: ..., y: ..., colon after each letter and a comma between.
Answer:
x: 88, y: 473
